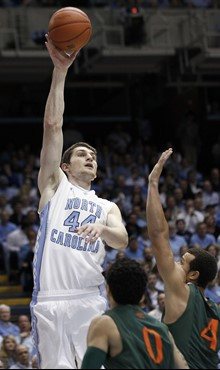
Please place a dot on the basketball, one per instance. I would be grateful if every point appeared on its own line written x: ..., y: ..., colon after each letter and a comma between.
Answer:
x: 69, y: 29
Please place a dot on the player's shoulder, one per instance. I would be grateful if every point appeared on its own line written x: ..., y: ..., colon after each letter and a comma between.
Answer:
x: 101, y: 323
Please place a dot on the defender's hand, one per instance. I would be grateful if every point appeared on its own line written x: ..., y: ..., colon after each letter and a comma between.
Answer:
x: 156, y: 172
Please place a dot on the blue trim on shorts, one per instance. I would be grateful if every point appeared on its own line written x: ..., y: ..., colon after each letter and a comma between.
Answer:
x: 38, y: 255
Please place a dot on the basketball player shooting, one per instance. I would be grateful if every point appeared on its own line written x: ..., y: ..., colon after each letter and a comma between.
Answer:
x: 75, y: 224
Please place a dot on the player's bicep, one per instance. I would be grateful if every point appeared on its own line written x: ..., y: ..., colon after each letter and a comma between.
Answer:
x: 97, y: 334
x: 165, y: 262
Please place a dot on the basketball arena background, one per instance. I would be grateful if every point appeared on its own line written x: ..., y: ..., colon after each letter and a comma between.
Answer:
x: 149, y: 78
x: 152, y: 60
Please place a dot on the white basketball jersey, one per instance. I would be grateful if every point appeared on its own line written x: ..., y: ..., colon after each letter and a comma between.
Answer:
x: 63, y: 260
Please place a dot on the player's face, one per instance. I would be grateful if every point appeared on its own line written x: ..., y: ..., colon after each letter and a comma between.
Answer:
x: 185, y: 263
x: 84, y: 162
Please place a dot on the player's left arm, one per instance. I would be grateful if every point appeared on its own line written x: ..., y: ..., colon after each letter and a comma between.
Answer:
x: 113, y: 233
x: 97, y: 344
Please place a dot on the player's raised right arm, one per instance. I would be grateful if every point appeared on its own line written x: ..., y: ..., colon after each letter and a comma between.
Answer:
x: 50, y: 173
x: 158, y: 229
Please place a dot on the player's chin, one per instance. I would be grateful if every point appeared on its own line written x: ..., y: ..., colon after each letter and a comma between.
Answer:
x: 91, y: 175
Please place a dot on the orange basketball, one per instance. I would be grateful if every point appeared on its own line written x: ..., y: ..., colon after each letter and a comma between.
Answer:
x: 69, y: 29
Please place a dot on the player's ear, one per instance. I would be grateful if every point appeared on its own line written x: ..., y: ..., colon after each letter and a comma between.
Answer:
x: 193, y: 276
x: 65, y: 167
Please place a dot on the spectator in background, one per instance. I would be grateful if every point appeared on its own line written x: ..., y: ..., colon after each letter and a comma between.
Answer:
x: 151, y: 288
x: 212, y: 291
x: 23, y: 358
x: 6, y: 326
x: 132, y: 226
x: 191, y: 216
x: 198, y: 204
x: 172, y: 208
x: 17, y: 215
x: 25, y: 337
x: 183, y: 250
x: 8, y: 351
x: 120, y: 255
x: 201, y: 239
x: 6, y: 190
x: 143, y: 239
x: 132, y: 251
x: 149, y: 260
x: 213, y: 250
x: 181, y: 230
x: 210, y: 197
x: 158, y: 311
x: 15, y: 240
x: 6, y: 227
x: 178, y: 196
x: 4, y: 205
x: 34, y: 362
x: 211, y: 224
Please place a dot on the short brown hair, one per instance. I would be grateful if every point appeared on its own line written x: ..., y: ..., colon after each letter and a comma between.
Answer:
x: 68, y: 153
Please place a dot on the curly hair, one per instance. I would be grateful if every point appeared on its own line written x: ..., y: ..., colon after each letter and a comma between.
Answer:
x: 127, y: 281
x: 205, y: 263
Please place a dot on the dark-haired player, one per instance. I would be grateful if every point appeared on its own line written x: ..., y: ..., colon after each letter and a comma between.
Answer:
x: 75, y: 224
x: 191, y: 318
x: 125, y: 337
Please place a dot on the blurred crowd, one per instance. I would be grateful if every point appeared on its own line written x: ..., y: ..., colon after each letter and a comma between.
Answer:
x: 190, y: 199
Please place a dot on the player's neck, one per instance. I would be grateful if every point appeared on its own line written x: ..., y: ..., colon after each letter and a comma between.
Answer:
x: 81, y: 183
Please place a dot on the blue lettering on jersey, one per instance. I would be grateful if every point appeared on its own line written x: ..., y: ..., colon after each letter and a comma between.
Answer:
x: 76, y: 203
x: 92, y: 206
x: 67, y: 240
x: 84, y: 205
x: 73, y: 241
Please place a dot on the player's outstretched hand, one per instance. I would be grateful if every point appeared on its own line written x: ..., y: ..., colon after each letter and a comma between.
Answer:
x: 156, y: 171
x: 90, y: 232
x: 60, y: 59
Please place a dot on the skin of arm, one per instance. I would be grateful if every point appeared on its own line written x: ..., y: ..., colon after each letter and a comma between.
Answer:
x: 159, y: 231
x: 104, y: 335
x: 50, y: 173
x: 179, y: 359
x: 113, y: 233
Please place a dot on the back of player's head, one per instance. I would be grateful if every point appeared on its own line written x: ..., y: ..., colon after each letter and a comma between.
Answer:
x: 127, y: 281
x: 68, y: 153
x: 205, y: 264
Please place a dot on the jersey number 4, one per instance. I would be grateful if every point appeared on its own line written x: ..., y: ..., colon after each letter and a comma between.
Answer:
x: 212, y: 329
x: 73, y: 221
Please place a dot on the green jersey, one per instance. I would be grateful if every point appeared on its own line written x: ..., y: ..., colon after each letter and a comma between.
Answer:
x: 197, y: 331
x: 145, y: 340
